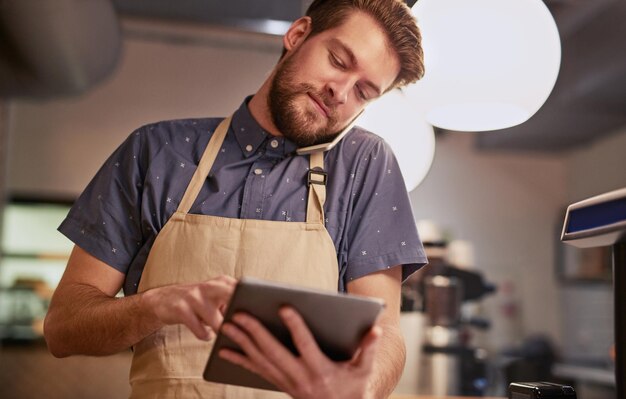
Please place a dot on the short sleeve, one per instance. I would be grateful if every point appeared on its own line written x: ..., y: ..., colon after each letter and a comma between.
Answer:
x: 105, y: 220
x: 382, y: 231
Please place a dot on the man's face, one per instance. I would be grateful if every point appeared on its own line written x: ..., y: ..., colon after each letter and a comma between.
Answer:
x: 321, y: 85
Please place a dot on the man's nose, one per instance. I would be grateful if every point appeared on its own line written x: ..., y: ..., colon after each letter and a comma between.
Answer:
x: 339, y: 90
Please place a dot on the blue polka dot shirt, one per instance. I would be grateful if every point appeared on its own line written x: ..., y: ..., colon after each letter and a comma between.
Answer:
x: 255, y: 176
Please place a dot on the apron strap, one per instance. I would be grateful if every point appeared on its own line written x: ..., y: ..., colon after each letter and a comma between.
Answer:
x: 317, y: 188
x: 204, y: 167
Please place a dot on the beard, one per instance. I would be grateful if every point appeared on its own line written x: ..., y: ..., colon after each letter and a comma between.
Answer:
x: 296, y: 122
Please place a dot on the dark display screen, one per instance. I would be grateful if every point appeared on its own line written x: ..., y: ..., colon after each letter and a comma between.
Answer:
x: 597, y: 215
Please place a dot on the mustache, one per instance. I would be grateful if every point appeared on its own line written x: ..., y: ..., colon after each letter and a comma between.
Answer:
x: 306, y: 88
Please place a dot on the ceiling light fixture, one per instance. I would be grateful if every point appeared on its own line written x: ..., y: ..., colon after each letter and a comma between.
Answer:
x: 412, y: 139
x: 490, y: 64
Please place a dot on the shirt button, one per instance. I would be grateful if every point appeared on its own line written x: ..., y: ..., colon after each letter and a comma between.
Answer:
x: 258, y: 171
x: 274, y: 143
x: 248, y: 148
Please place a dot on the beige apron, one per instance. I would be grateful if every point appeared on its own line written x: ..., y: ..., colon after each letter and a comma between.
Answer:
x: 194, y: 248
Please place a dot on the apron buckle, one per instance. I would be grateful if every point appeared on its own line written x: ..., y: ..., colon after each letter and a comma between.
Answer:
x: 321, y: 179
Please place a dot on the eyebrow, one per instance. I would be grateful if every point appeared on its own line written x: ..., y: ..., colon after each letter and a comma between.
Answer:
x: 353, y: 60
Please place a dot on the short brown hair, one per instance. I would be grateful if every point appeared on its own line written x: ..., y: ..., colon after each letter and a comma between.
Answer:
x: 394, y: 17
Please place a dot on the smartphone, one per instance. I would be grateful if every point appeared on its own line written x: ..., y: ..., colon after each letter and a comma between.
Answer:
x: 327, y: 146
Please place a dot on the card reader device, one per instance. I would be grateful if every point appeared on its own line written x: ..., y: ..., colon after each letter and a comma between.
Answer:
x: 540, y: 390
x: 598, y: 222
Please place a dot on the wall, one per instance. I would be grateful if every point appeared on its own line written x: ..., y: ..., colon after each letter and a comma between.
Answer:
x: 511, y: 208
x: 507, y: 205
x: 4, y: 140
x: 597, y: 168
x: 588, y: 309
x: 58, y: 145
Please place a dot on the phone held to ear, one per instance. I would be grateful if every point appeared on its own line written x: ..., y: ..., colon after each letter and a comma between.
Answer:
x: 327, y: 146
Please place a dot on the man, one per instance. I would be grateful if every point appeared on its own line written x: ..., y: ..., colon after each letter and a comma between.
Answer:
x: 184, y: 208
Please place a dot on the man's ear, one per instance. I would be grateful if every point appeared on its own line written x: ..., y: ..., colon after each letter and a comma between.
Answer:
x: 297, y: 33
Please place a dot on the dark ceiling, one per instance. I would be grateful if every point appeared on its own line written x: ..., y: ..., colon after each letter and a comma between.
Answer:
x: 246, y: 15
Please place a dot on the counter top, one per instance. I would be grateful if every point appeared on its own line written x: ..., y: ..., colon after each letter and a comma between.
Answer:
x: 596, y: 375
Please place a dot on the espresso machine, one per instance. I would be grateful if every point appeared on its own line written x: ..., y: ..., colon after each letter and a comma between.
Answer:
x: 448, y: 364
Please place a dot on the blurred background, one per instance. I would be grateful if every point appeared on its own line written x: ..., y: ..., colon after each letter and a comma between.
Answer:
x: 77, y: 77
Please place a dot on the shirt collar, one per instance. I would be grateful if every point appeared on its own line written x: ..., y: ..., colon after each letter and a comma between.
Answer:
x: 250, y: 135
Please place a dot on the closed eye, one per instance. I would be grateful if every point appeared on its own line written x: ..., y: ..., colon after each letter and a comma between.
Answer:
x: 361, y: 93
x: 336, y: 61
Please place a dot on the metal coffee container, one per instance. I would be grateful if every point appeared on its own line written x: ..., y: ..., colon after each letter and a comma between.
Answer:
x: 441, y: 360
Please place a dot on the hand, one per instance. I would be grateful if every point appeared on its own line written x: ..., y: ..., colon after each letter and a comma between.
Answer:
x: 198, y: 306
x: 309, y: 375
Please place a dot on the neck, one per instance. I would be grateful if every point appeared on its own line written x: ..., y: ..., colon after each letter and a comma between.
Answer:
x: 260, y: 110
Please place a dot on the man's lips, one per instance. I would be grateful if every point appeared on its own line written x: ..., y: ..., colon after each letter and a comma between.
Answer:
x: 319, y: 104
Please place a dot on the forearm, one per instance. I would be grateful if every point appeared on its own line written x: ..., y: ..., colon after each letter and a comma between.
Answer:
x: 83, y: 320
x: 388, y: 363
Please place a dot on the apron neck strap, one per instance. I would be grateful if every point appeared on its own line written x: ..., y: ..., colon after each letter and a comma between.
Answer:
x: 317, y: 188
x: 204, y: 167
x: 317, y: 191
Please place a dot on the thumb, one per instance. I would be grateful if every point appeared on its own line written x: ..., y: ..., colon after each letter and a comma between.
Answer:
x: 215, y: 319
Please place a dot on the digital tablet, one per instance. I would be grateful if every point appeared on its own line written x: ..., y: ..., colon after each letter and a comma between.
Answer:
x: 337, y: 321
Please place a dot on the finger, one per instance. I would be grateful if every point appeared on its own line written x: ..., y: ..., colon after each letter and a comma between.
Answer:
x: 253, y: 360
x: 208, y: 300
x: 197, y: 327
x: 265, y: 340
x: 219, y: 290
x: 231, y: 281
x: 364, y: 358
x: 242, y: 361
x: 271, y: 348
x: 303, y: 339
x: 214, y: 319
x: 207, y: 313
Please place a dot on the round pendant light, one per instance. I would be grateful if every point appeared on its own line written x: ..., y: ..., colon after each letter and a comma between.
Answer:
x: 412, y: 140
x: 490, y: 64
